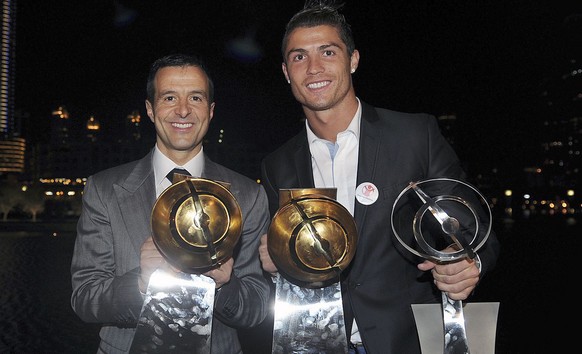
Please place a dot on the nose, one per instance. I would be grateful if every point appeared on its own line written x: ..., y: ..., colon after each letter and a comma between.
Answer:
x: 183, y: 109
x: 314, y: 66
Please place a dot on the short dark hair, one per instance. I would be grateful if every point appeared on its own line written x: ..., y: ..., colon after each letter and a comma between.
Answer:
x: 180, y: 60
x: 318, y: 13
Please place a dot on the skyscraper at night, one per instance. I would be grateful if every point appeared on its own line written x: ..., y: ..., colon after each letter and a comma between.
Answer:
x: 12, y: 146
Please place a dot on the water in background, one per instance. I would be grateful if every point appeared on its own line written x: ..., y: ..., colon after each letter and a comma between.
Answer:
x: 35, y: 310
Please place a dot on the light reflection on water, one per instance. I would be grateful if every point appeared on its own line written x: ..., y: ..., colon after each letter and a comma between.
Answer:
x: 36, y: 315
x: 38, y: 229
x: 20, y: 234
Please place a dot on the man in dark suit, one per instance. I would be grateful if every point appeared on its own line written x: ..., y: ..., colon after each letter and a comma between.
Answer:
x: 370, y: 155
x: 114, y: 253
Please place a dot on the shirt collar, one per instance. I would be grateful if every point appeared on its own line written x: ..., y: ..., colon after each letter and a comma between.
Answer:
x: 163, y: 165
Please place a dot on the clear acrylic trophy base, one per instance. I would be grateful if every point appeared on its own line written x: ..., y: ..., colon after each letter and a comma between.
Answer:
x: 444, y: 220
x: 177, y: 314
x: 480, y: 323
x: 308, y: 320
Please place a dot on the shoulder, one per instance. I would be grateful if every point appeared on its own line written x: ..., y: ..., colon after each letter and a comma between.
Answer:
x: 248, y: 193
x: 370, y: 113
x: 120, y: 174
x: 288, y: 148
x: 113, y: 175
x: 218, y: 172
x: 116, y: 171
x: 380, y: 118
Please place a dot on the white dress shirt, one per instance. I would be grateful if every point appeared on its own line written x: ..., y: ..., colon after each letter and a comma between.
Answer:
x: 335, y: 165
x: 163, y: 165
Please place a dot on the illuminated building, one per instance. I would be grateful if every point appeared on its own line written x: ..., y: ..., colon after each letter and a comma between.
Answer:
x: 60, y: 126
x: 12, y: 153
x: 78, y: 148
x: 133, y: 126
x: 12, y: 146
x: 93, y: 128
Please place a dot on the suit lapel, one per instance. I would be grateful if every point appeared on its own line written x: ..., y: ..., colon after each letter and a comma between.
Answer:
x: 370, y: 139
x: 303, y: 164
x: 211, y: 171
x: 136, y: 197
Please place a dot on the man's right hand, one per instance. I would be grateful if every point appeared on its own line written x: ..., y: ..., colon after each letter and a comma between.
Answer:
x: 150, y: 260
x: 267, y: 262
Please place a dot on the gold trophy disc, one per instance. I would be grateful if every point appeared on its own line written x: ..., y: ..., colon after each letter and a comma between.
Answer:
x: 196, y: 223
x: 312, y: 237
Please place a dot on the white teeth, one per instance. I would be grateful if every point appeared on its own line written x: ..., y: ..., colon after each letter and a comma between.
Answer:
x: 318, y: 84
x: 182, y: 125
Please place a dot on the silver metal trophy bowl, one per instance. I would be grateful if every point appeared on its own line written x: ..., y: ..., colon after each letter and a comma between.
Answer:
x: 311, y: 239
x: 430, y: 215
x: 196, y: 224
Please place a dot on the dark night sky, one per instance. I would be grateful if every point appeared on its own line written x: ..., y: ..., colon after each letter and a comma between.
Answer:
x: 486, y: 61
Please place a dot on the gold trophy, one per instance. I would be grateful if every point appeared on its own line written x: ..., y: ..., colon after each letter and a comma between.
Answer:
x: 196, y: 223
x: 312, y: 239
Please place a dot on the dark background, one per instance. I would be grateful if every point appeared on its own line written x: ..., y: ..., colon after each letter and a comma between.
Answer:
x: 487, y: 62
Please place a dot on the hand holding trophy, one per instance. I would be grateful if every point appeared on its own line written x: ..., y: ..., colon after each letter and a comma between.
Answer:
x: 437, y: 214
x: 196, y: 224
x: 312, y: 239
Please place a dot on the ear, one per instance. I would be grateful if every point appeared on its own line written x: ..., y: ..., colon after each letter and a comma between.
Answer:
x: 284, y: 68
x: 354, y: 61
x: 149, y: 110
x: 211, y: 113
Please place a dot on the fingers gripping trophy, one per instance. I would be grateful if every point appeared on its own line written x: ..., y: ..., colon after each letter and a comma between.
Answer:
x: 312, y: 239
x: 196, y: 224
x: 432, y: 215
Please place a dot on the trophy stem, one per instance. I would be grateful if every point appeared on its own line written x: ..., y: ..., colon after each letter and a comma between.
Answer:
x: 308, y: 320
x: 176, y: 315
x: 454, y: 322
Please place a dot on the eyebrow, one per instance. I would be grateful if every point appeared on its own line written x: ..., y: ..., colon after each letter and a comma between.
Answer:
x: 193, y: 92
x: 320, y: 48
x: 332, y: 44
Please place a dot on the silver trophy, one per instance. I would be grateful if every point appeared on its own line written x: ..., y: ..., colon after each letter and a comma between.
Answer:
x: 431, y: 215
x: 312, y: 239
x: 196, y: 224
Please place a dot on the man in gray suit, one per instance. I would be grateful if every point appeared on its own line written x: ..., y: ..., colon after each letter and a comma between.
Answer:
x: 114, y: 254
x: 370, y: 155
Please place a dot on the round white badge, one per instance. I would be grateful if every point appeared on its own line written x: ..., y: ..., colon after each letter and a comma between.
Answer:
x: 367, y: 193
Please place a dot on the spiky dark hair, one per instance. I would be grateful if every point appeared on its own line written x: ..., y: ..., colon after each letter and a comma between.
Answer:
x: 317, y: 13
x: 323, y: 3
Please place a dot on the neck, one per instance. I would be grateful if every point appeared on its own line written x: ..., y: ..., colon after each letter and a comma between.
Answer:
x: 180, y: 157
x: 329, y: 123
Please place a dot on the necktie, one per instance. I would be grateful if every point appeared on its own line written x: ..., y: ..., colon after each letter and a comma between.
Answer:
x: 181, y: 171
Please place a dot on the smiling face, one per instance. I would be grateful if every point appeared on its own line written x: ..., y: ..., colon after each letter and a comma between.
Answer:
x: 181, y: 111
x: 319, y: 67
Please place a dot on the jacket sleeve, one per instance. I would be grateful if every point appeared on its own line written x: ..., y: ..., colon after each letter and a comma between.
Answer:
x: 102, y: 292
x: 243, y: 301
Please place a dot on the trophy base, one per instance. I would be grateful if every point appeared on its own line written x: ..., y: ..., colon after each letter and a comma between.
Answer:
x: 177, y: 314
x: 480, y: 325
x: 308, y: 320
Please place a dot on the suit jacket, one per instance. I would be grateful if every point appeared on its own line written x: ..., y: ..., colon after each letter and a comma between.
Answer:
x: 382, y: 280
x: 115, y: 221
